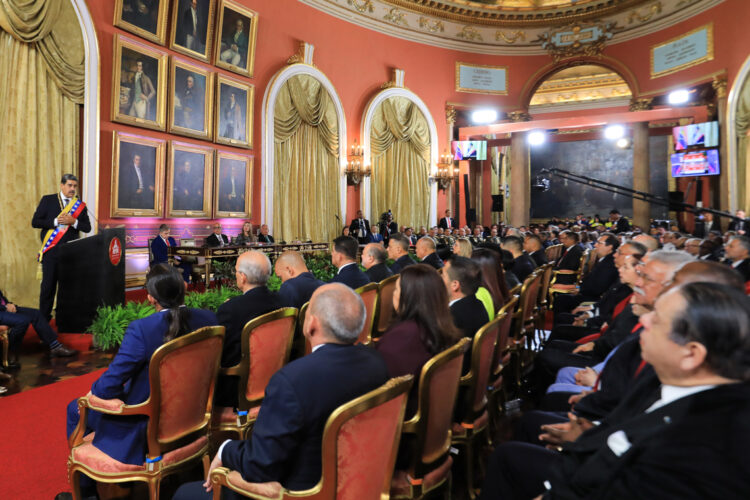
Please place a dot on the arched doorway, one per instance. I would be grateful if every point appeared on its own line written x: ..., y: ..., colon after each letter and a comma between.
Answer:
x: 580, y: 87
x: 738, y: 128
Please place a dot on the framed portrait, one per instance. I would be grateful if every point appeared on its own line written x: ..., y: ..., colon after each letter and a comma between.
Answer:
x: 233, y: 124
x: 137, y: 176
x: 139, y: 85
x: 235, y: 38
x: 192, y: 28
x: 145, y: 18
x: 191, y: 95
x: 189, y: 180
x: 232, y: 185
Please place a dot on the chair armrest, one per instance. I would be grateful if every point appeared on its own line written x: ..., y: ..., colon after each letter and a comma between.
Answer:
x: 231, y: 370
x: 564, y: 271
x: 114, y: 406
x: 220, y: 477
x: 466, y: 380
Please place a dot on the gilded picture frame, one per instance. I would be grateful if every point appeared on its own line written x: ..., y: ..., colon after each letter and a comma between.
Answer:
x: 234, y: 46
x: 231, y: 199
x: 192, y: 31
x: 145, y: 18
x: 188, y: 193
x: 137, y: 192
x: 191, y: 98
x: 137, y: 65
x: 233, y: 120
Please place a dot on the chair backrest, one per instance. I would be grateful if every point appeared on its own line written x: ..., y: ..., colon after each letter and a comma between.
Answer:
x: 527, y: 304
x: 360, y: 443
x: 385, y: 311
x: 182, y: 374
x: 483, y: 350
x: 370, y: 296
x: 150, y: 252
x: 583, y: 265
x: 266, y: 343
x: 546, y: 271
x: 503, y: 336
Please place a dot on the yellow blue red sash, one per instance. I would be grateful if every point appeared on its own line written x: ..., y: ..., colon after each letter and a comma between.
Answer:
x: 53, y: 236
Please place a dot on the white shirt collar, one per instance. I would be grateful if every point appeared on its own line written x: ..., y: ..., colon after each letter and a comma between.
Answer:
x: 736, y: 263
x: 671, y: 393
x: 63, y: 197
x: 317, y: 347
x: 347, y: 264
x: 454, y: 301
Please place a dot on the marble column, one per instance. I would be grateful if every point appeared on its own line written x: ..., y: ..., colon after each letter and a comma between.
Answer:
x: 520, y: 182
x: 641, y: 175
x: 720, y: 183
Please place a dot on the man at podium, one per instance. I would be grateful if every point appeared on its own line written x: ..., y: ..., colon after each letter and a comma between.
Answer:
x: 61, y: 218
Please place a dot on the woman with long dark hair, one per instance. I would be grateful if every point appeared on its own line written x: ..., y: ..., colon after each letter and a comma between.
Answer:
x: 493, y: 292
x: 246, y: 235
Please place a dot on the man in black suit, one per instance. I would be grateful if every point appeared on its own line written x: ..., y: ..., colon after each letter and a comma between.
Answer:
x: 297, y: 282
x: 217, y: 238
x: 409, y: 233
x: 252, y: 271
x: 360, y: 229
x: 48, y: 216
x: 738, y: 255
x: 344, y: 257
x: 447, y: 221
x: 286, y: 441
x: 136, y: 185
x: 398, y: 250
x: 462, y: 277
x: 740, y: 224
x: 619, y: 223
x: 232, y: 191
x: 426, y: 252
x: 532, y: 245
x: 264, y: 237
x: 191, y: 31
x: 683, y: 434
x: 523, y: 266
x: 570, y: 259
x: 373, y: 259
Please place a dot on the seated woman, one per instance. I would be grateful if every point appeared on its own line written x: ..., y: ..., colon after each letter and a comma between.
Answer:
x: 463, y: 247
x: 160, y: 254
x: 345, y: 231
x: 246, y: 236
x: 494, y: 292
x: 126, y: 379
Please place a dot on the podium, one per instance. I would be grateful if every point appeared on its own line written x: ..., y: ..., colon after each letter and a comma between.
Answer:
x: 91, y: 273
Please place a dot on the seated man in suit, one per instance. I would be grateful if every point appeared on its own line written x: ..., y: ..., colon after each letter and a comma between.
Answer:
x: 398, y: 250
x: 570, y: 259
x: 159, y: 246
x: 373, y: 259
x: 297, y: 282
x: 426, y: 252
x: 217, y: 238
x: 619, y: 223
x: 532, y: 245
x: 344, y: 257
x: 523, y: 266
x: 680, y: 434
x: 409, y: 233
x: 264, y: 237
x: 738, y: 255
x: 477, y: 237
x: 286, y: 440
x: 740, y: 223
x: 252, y: 272
x: 462, y: 277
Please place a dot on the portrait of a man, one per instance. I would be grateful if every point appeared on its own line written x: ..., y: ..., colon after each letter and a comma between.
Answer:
x: 138, y: 85
x: 232, y: 124
x: 189, y: 99
x: 136, y: 180
x: 232, y: 174
x: 192, y: 20
x: 143, y: 15
x: 235, y: 46
x: 189, y: 180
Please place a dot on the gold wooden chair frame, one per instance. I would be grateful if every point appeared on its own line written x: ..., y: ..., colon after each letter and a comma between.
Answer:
x: 369, y: 292
x: 300, y: 346
x: 242, y: 422
x: 395, y: 390
x: 385, y: 299
x: 553, y: 252
x: 543, y: 302
x: 496, y: 391
x: 554, y: 288
x: 188, y: 446
x: 6, y: 345
x: 523, y: 323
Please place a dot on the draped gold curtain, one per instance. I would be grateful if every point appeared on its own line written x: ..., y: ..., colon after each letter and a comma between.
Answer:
x: 742, y: 121
x: 400, y: 146
x: 306, y: 171
x: 39, y: 127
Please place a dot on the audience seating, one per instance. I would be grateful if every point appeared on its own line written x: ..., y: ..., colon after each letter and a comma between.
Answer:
x: 360, y: 443
x: 182, y: 375
x: 6, y: 345
x: 430, y: 427
x: 301, y: 347
x: 554, y: 288
x: 543, y: 301
x: 524, y: 324
x: 553, y: 252
x: 370, y: 294
x: 496, y: 395
x: 385, y: 311
x: 266, y: 344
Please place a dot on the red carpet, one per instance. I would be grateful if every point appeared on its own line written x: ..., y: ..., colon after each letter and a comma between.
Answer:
x: 34, y: 447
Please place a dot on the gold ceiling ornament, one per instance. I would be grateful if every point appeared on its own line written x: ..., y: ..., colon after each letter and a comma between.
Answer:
x: 304, y: 55
x: 395, y: 16
x: 470, y: 33
x: 450, y: 114
x: 511, y: 38
x: 365, y: 5
x: 519, y: 116
x: 579, y: 39
x: 720, y: 86
x: 651, y: 11
x: 643, y: 104
x: 397, y: 80
x: 431, y: 26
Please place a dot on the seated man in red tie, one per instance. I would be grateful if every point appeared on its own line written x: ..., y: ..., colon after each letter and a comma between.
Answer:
x: 160, y: 252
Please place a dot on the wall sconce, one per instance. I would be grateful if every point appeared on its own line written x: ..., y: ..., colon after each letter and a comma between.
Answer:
x: 446, y: 172
x: 355, y: 169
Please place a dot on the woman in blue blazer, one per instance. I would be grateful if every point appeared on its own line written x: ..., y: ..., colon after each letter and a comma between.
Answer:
x: 124, y: 438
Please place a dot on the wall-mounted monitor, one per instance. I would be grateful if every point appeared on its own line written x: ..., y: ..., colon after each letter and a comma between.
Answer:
x: 695, y: 163
x: 469, y: 150
x: 698, y: 135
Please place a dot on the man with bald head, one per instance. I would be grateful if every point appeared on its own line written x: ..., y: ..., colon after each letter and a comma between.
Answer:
x: 374, y: 256
x: 426, y: 252
x: 297, y: 282
x: 286, y: 442
x: 252, y: 271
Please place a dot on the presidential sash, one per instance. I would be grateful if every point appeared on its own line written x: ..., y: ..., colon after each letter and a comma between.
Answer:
x: 53, y: 236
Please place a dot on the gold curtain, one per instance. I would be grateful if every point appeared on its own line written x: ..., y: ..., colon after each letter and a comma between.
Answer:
x: 742, y: 121
x: 306, y: 171
x: 400, y: 144
x: 39, y: 142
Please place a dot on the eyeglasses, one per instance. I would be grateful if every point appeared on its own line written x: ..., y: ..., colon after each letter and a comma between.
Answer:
x: 648, y: 279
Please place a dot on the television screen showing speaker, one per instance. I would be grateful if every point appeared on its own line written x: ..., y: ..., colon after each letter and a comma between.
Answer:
x: 695, y: 163
x: 469, y: 150
x: 700, y: 135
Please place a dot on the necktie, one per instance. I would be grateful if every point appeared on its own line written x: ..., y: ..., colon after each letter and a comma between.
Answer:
x: 361, y: 229
x: 448, y: 219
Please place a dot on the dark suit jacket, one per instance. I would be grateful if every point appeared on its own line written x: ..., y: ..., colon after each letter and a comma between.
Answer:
x: 128, y: 186
x: 744, y: 269
x: 523, y: 266
x: 444, y: 223
x: 186, y: 25
x: 570, y: 260
x: 739, y: 224
x: 354, y: 228
x: 469, y: 315
x: 539, y: 257
x: 126, y: 378
x: 298, y: 290
x: 46, y: 212
x: 598, y: 281
x: 433, y: 260
x: 286, y: 440
x: 233, y: 315
x: 213, y: 241
x: 159, y: 249
x: 351, y: 276
x: 622, y: 226
x: 265, y: 238
x: 402, y: 262
x: 379, y: 272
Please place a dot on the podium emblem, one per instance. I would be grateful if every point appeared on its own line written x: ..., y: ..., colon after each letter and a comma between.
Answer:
x: 115, y: 251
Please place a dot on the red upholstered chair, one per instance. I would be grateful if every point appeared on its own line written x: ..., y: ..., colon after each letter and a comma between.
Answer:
x: 385, y: 311
x: 523, y: 324
x: 371, y: 297
x: 579, y: 274
x: 543, y: 302
x: 360, y: 442
x: 473, y: 426
x: 6, y: 344
x: 182, y: 374
x: 266, y: 344
x: 430, y: 426
x: 496, y: 395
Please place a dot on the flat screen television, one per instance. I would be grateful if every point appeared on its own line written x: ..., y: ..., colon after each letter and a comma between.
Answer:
x: 469, y: 150
x: 694, y: 163
x: 700, y: 135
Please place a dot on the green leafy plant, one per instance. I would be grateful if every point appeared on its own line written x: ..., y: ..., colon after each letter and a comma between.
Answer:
x: 111, y: 322
x: 274, y: 283
x: 321, y: 266
x: 212, y: 298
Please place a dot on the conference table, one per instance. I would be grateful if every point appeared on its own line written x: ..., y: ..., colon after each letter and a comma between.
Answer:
x: 233, y: 251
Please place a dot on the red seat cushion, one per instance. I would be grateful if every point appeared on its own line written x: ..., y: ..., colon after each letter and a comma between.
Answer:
x: 401, y: 484
x: 226, y: 415
x: 270, y: 490
x: 95, y: 459
x: 459, y: 429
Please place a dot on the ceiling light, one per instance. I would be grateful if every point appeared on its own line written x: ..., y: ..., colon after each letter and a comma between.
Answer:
x: 623, y: 143
x: 537, y: 137
x: 678, y: 96
x: 614, y: 132
x: 484, y: 116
